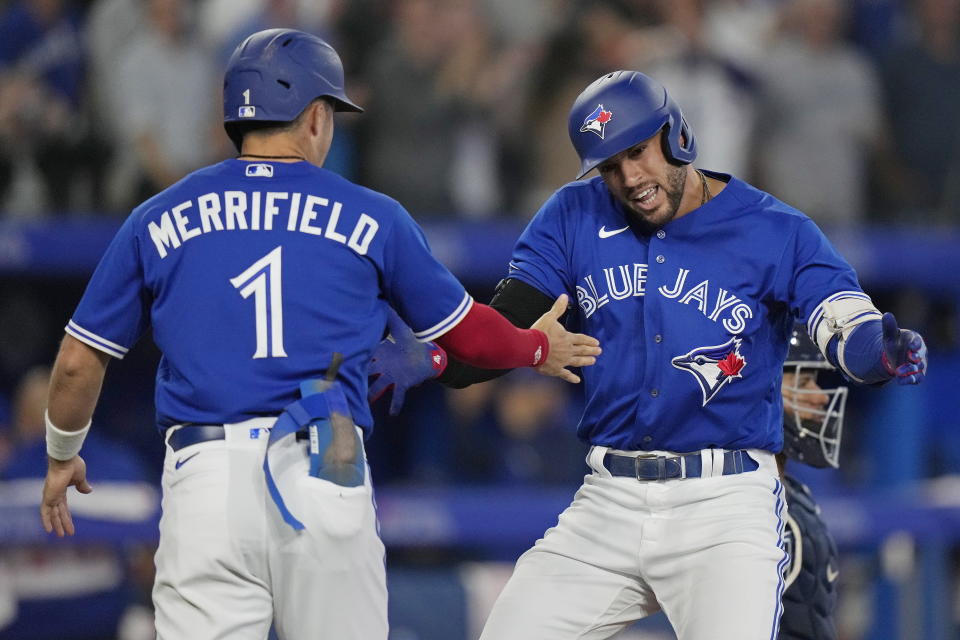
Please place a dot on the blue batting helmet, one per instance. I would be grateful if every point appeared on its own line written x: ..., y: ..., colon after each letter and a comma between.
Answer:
x: 273, y: 75
x: 620, y: 109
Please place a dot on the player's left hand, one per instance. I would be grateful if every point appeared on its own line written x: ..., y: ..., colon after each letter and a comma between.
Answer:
x: 401, y: 362
x: 61, y: 474
x: 566, y: 349
x: 904, y: 352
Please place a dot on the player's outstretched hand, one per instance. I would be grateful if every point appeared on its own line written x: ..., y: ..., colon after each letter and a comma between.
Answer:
x: 401, y: 362
x: 566, y: 349
x: 904, y: 352
x: 61, y: 474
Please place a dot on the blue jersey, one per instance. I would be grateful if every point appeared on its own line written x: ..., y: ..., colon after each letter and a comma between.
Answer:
x: 693, y: 319
x: 251, y: 276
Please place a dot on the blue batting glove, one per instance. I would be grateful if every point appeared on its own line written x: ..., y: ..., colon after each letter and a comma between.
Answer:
x: 904, y: 352
x: 401, y: 362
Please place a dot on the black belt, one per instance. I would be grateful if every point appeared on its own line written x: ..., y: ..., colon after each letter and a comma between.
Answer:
x: 195, y: 434
x: 666, y: 467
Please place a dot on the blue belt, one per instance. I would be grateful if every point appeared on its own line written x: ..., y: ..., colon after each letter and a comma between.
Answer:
x: 667, y: 467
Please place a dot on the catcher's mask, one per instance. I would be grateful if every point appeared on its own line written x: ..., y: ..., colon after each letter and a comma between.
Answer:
x: 812, y: 410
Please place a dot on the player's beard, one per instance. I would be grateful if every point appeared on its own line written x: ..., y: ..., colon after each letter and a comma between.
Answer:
x: 673, y: 194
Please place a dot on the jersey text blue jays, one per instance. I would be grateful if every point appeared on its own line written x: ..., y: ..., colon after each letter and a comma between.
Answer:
x: 626, y: 281
x: 694, y: 317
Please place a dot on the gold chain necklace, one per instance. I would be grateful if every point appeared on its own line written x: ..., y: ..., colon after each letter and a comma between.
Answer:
x: 706, y: 189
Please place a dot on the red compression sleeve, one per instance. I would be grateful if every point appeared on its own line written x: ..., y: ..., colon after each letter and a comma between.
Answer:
x: 486, y: 339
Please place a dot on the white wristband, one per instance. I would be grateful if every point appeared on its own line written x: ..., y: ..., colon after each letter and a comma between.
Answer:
x: 63, y: 445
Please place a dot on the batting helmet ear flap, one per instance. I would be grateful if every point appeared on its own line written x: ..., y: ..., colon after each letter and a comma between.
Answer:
x: 680, y: 140
x: 620, y: 109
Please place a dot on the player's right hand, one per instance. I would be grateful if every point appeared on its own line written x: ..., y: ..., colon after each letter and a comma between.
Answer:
x: 61, y: 474
x: 401, y: 362
x: 904, y: 352
x: 566, y: 349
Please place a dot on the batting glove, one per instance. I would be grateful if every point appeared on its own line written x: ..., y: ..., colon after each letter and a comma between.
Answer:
x: 904, y: 352
x: 401, y: 362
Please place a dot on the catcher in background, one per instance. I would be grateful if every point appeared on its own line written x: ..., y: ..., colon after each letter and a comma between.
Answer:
x: 812, y: 426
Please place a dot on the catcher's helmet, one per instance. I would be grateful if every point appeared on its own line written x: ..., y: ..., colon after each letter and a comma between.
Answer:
x: 619, y: 110
x: 273, y: 75
x: 811, y: 434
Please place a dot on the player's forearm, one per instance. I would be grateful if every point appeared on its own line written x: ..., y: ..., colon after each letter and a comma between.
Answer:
x: 869, y: 347
x: 863, y: 353
x: 75, y: 384
x: 519, y: 303
x: 878, y: 350
x: 486, y: 339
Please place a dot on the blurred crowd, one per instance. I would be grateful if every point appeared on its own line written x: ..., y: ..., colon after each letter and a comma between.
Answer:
x: 846, y: 109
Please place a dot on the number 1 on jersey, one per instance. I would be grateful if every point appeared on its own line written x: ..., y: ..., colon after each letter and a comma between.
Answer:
x: 263, y: 280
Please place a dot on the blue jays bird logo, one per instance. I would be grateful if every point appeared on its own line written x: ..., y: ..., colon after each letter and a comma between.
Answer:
x: 597, y: 121
x: 713, y: 367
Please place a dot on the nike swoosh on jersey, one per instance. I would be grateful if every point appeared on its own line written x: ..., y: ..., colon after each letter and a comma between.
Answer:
x: 603, y: 233
x: 832, y: 573
x: 184, y: 461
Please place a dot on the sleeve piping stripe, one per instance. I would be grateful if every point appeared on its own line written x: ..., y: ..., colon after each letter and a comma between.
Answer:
x: 73, y: 325
x: 867, y: 314
x: 447, y: 323
x: 96, y: 345
x: 95, y: 341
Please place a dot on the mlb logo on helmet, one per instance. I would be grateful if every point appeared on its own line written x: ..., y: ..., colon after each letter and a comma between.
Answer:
x: 259, y: 171
x: 247, y: 112
x: 597, y: 121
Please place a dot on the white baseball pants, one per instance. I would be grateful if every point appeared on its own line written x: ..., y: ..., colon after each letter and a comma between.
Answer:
x: 707, y: 551
x: 228, y: 565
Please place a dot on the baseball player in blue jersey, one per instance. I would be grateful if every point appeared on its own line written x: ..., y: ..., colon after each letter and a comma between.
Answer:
x: 261, y: 276
x: 694, y: 280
